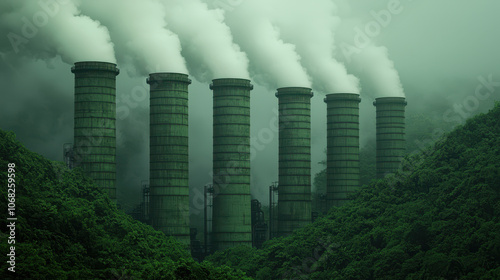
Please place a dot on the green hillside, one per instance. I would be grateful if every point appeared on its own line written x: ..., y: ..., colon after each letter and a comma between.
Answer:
x: 67, y: 228
x: 439, y: 218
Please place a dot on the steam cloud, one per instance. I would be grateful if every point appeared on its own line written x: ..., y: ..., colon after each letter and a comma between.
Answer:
x: 46, y: 29
x: 207, y: 41
x: 378, y: 71
x: 369, y: 61
x: 139, y: 31
x: 273, y: 62
x: 285, y: 49
x: 314, y: 39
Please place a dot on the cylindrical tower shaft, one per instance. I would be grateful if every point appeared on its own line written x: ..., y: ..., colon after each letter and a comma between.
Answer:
x: 391, y: 142
x: 294, y: 178
x: 169, y: 159
x: 95, y: 122
x: 231, y: 224
x: 342, y: 159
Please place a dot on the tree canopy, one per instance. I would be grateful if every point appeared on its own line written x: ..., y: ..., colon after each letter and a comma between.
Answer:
x: 437, y: 218
x: 67, y: 228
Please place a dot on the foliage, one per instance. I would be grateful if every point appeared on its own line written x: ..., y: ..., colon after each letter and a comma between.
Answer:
x: 67, y: 228
x: 438, y: 218
x: 421, y: 133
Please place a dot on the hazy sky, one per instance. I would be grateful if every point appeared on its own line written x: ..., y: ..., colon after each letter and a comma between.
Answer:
x: 437, y: 53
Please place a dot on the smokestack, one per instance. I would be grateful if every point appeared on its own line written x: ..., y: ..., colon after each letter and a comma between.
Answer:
x: 391, y: 142
x: 169, y: 160
x: 294, y: 180
x: 95, y: 122
x: 342, y: 160
x: 231, y: 224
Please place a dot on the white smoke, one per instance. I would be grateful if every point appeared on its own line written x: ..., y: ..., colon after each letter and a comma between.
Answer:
x: 48, y: 28
x: 140, y: 33
x: 311, y: 27
x: 283, y: 43
x: 273, y: 62
x: 378, y: 71
x: 207, y: 41
x: 360, y: 50
x: 288, y: 41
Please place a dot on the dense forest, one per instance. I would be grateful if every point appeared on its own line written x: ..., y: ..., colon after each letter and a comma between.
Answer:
x: 422, y: 130
x: 437, y: 218
x: 67, y: 228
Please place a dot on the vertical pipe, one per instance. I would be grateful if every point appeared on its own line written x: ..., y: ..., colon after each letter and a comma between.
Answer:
x: 231, y: 163
x: 342, y: 159
x: 205, y: 217
x: 391, y: 142
x: 270, y: 212
x: 95, y: 122
x: 294, y: 186
x: 169, y: 158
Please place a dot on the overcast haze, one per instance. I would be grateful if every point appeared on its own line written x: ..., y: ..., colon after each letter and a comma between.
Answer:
x: 434, y: 53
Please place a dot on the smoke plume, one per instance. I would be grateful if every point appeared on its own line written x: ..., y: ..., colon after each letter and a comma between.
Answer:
x: 314, y: 39
x: 46, y: 29
x: 139, y: 31
x: 361, y: 52
x: 273, y: 62
x: 378, y: 71
x: 207, y: 41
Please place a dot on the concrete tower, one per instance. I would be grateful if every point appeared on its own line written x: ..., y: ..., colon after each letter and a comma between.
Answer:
x: 231, y: 224
x: 294, y: 178
x: 391, y: 142
x: 342, y: 147
x: 169, y: 158
x: 95, y: 122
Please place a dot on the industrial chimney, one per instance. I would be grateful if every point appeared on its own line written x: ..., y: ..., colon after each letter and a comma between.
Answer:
x: 231, y: 224
x: 95, y: 122
x: 294, y: 178
x: 391, y: 143
x: 342, y: 160
x: 169, y: 160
